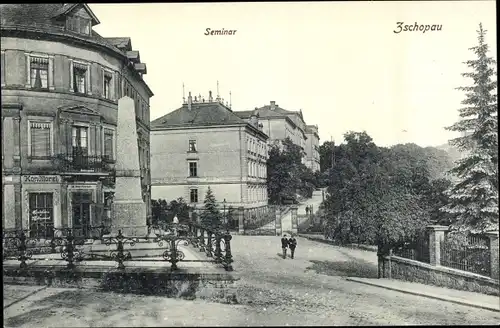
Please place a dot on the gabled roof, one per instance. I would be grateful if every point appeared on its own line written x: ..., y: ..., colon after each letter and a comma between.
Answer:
x: 200, y: 114
x: 67, y: 8
x: 122, y: 43
x: 266, y: 111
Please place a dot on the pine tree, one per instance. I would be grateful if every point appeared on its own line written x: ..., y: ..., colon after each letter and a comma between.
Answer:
x: 474, y: 196
x: 211, y: 216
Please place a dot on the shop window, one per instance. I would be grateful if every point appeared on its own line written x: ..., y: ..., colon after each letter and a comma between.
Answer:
x: 41, y: 218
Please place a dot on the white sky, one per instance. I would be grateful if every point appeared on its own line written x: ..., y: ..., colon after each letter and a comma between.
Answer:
x: 340, y: 62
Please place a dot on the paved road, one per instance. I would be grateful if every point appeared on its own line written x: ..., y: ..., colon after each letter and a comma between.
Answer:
x: 312, y: 285
x: 308, y: 290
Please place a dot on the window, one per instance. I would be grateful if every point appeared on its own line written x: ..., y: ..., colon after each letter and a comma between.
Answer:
x: 41, y: 216
x: 39, y: 72
x: 78, y: 24
x: 193, y: 169
x: 192, y: 145
x: 79, y: 78
x: 40, y: 139
x: 108, y: 144
x: 106, y: 92
x: 193, y: 195
x: 80, y: 140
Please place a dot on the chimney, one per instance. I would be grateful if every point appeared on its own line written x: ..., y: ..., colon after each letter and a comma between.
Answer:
x: 273, y: 105
x: 190, y: 100
x: 254, y: 118
x: 210, y: 99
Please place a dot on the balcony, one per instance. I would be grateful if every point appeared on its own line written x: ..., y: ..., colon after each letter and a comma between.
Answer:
x: 83, y: 164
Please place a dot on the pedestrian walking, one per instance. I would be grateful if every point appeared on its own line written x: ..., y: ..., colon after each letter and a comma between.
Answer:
x: 292, y: 243
x: 284, y: 245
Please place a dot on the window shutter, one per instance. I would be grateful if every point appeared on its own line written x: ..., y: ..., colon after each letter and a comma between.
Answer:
x: 108, y: 143
x: 40, y: 139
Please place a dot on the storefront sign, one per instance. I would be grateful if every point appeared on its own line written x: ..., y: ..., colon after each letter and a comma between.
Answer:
x: 39, y: 215
x: 42, y: 179
x: 93, y: 186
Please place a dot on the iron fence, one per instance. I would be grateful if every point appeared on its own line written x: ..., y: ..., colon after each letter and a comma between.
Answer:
x: 255, y: 223
x: 416, y: 248
x: 472, y: 256
x: 74, y: 245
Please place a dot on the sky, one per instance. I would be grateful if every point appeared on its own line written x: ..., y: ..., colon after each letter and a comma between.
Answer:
x: 339, y: 62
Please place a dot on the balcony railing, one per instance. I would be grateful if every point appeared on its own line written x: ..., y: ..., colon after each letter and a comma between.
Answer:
x: 69, y: 163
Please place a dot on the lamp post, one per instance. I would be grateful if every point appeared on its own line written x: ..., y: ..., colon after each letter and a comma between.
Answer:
x: 225, y: 217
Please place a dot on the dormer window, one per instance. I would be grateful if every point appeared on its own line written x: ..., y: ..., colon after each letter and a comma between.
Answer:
x: 78, y: 24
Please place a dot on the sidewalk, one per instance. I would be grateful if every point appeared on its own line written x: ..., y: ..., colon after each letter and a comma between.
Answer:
x: 477, y: 300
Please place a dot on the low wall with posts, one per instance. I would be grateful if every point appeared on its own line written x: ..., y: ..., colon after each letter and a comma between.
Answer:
x: 439, y: 271
x: 395, y: 267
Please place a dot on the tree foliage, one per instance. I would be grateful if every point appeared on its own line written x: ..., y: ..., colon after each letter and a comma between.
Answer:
x: 326, y: 155
x: 380, y: 195
x: 211, y: 215
x: 474, y: 196
x: 162, y: 211
x: 286, y: 174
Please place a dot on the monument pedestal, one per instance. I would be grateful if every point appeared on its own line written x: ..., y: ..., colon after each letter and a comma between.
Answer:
x: 128, y: 216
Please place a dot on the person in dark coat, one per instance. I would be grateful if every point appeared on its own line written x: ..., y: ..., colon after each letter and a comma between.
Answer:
x: 292, y: 243
x: 284, y: 245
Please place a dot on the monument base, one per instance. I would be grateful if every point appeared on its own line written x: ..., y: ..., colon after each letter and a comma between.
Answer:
x: 129, y: 217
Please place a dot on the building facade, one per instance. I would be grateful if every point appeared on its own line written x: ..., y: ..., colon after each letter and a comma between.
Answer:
x: 204, y: 144
x: 60, y: 85
x: 279, y: 124
x: 312, y: 147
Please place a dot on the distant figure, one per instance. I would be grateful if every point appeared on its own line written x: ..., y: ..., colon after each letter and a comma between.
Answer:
x: 292, y: 243
x: 284, y: 245
x: 307, y: 209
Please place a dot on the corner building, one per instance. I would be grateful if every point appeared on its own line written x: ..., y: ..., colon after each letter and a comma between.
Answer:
x: 60, y: 84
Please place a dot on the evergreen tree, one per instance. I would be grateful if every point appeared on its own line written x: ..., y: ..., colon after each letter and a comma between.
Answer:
x: 474, y: 197
x: 211, y: 216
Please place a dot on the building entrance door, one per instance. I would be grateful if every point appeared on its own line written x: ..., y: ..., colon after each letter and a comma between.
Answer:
x: 81, y: 213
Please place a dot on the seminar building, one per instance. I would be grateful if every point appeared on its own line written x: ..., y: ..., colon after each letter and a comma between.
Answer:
x: 279, y: 124
x: 204, y: 144
x: 60, y: 85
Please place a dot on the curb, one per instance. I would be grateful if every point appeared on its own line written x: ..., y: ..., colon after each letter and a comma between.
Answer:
x: 436, y: 297
x: 25, y: 297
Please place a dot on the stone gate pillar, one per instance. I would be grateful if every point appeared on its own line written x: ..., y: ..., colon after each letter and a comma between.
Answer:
x: 241, y: 220
x: 493, y: 236
x: 436, y: 236
x: 277, y: 214
x: 293, y: 210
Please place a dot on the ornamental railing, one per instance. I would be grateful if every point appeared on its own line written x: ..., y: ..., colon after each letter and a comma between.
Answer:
x: 73, y: 246
x: 75, y: 163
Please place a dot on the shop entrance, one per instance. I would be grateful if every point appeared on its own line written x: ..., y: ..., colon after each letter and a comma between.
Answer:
x: 81, y: 202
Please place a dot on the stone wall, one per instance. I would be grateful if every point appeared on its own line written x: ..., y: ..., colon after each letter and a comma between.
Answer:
x: 395, y: 267
x: 212, y: 286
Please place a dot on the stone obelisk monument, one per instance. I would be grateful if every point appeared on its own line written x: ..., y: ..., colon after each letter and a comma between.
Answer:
x: 129, y: 209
